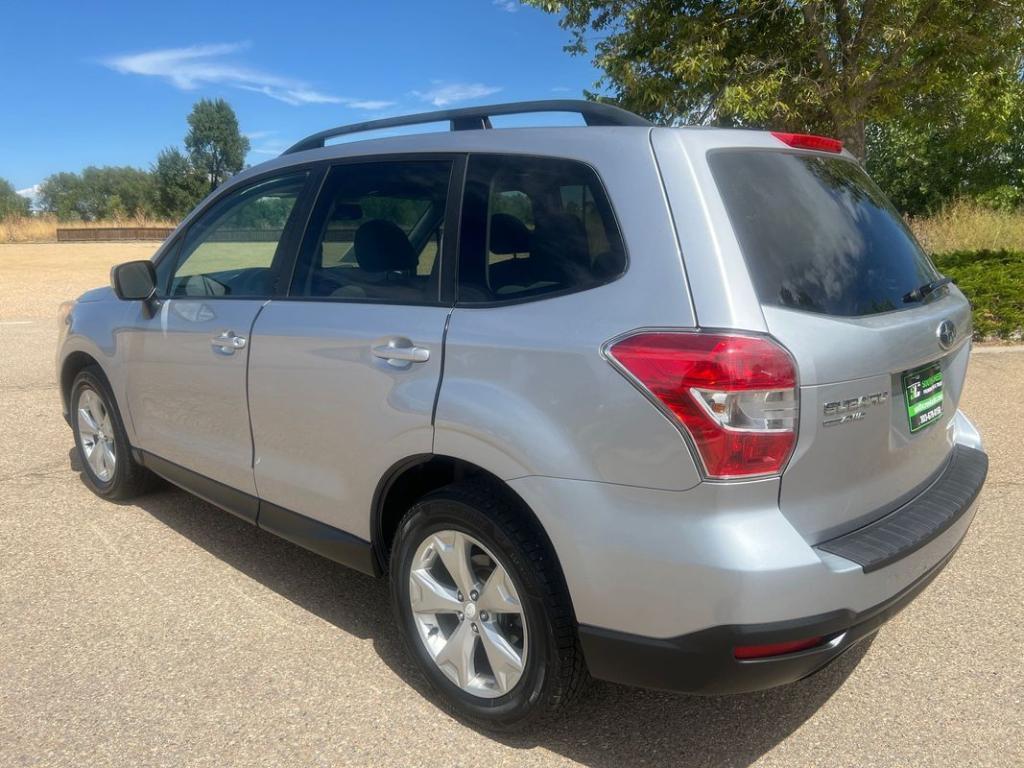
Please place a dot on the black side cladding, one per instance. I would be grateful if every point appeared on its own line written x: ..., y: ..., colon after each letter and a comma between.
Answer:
x: 919, y: 521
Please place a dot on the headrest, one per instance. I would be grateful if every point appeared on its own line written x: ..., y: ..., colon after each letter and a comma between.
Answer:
x: 561, y: 237
x: 509, y: 234
x: 381, y: 246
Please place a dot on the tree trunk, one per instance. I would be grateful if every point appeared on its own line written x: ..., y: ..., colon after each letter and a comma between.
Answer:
x: 852, y: 135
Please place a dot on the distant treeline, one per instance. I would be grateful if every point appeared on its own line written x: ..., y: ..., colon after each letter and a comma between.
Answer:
x: 214, y: 150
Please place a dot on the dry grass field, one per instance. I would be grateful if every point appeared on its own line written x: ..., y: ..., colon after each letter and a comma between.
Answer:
x: 966, y: 226
x: 41, y: 229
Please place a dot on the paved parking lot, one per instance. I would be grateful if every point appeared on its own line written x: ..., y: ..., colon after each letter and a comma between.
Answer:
x: 167, y: 632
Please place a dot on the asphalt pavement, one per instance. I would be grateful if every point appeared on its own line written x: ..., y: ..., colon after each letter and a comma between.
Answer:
x: 167, y: 632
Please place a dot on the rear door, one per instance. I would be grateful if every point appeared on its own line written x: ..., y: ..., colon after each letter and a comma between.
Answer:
x: 186, y: 378
x: 881, y: 366
x: 344, y: 370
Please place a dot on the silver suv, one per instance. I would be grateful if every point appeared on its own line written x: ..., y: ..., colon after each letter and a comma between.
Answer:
x: 669, y: 407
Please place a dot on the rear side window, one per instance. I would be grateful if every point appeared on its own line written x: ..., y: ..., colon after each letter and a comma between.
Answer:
x: 376, y: 233
x: 534, y: 226
x: 817, y: 234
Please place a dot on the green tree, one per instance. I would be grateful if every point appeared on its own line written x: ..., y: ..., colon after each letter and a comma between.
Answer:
x: 109, y: 192
x: 971, y: 146
x: 113, y: 192
x: 832, y: 66
x: 179, y: 186
x: 63, y: 194
x: 12, y: 205
x: 215, y: 145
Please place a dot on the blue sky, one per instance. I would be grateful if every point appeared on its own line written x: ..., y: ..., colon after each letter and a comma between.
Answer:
x: 109, y: 83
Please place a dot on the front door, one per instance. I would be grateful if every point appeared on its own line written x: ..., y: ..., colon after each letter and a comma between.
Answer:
x: 186, y: 382
x: 344, y: 371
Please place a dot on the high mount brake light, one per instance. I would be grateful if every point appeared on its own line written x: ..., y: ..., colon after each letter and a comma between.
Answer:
x: 807, y: 141
x: 735, y: 396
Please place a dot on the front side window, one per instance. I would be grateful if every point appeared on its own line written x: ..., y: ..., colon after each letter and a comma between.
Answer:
x: 233, y: 249
x: 376, y: 233
x: 533, y: 226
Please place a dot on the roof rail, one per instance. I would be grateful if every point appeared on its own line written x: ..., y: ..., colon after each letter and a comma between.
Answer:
x: 473, y: 118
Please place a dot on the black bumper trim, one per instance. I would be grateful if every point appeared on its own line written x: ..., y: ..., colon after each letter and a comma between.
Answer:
x: 703, y: 662
x: 920, y: 520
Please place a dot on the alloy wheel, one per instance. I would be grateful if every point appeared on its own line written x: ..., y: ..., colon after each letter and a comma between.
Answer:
x: 468, y: 614
x: 96, y: 435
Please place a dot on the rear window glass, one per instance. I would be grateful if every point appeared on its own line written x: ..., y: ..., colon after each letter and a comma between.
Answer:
x: 817, y: 234
x: 534, y: 226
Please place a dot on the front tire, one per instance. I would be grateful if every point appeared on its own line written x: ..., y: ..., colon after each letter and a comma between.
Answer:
x: 483, y: 607
x: 100, y: 438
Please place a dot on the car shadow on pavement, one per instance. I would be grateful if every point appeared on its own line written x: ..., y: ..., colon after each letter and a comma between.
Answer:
x: 611, y: 725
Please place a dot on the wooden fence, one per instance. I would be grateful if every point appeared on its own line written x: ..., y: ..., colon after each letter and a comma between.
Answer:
x: 99, y: 234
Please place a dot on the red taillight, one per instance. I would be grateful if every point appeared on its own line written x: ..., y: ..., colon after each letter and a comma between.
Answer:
x: 775, y: 649
x: 735, y: 395
x: 807, y: 141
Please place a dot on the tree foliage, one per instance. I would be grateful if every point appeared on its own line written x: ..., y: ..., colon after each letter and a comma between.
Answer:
x: 179, y: 186
x: 98, y: 193
x: 971, y: 145
x: 12, y: 205
x: 831, y: 66
x: 215, y: 145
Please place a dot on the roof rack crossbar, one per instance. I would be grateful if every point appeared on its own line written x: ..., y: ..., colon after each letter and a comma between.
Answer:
x: 475, y: 118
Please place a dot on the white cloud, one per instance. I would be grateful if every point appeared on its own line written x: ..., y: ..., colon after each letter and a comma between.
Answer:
x: 201, y: 65
x: 265, y: 142
x: 510, y: 6
x: 369, y: 104
x: 32, y: 193
x: 443, y: 94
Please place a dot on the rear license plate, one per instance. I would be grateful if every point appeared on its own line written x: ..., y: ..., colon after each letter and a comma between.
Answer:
x: 922, y: 388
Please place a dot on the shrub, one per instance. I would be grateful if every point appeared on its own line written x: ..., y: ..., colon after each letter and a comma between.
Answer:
x: 994, y: 283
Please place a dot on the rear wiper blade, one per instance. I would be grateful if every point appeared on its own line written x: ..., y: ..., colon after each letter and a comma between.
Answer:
x: 918, y: 294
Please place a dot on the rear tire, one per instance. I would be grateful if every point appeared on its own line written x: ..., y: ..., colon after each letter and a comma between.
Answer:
x: 520, y: 658
x: 100, y: 438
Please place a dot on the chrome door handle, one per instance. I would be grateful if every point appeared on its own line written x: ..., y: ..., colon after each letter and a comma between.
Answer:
x: 228, y: 342
x: 400, y: 351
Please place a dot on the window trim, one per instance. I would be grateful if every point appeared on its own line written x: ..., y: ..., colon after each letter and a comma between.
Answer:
x: 547, y: 294
x: 286, y: 245
x: 448, y: 257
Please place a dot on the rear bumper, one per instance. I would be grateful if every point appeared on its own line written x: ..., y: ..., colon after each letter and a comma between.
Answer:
x: 703, y: 662
x: 912, y: 526
x: 666, y: 584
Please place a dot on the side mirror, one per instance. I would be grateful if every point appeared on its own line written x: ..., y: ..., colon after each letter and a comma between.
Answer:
x: 134, y: 281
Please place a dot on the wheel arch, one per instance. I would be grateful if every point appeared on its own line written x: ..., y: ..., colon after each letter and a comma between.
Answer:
x: 415, y: 476
x: 71, y: 366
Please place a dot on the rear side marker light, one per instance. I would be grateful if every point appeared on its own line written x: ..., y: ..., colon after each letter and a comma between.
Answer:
x: 775, y: 649
x: 735, y: 396
x: 807, y: 141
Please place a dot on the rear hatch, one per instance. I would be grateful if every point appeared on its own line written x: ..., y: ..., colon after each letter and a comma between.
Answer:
x: 880, y: 363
